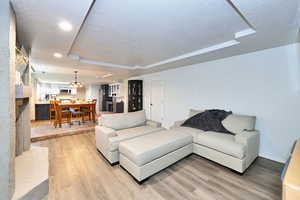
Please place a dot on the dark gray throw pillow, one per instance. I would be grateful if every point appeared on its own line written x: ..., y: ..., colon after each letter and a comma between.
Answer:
x: 209, y: 120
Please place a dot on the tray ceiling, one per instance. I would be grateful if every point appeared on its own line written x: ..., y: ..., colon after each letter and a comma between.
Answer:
x: 129, y: 37
x: 140, y: 33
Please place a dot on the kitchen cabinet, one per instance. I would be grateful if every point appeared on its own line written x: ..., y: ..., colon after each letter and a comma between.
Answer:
x: 135, y: 95
x: 73, y: 91
x: 42, y: 111
x: 115, y: 90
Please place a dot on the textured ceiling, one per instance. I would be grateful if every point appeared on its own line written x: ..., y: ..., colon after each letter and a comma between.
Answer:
x: 130, y: 37
x: 139, y: 33
x: 37, y: 23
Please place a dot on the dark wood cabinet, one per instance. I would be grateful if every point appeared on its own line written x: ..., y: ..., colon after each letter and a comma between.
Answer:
x: 42, y: 111
x: 135, y: 95
x: 106, y: 100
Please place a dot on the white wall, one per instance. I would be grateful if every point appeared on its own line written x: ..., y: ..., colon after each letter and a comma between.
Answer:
x: 92, y: 92
x: 7, y: 99
x: 265, y: 84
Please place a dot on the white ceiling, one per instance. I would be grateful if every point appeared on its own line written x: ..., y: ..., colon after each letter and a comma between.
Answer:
x: 135, y: 32
x: 130, y: 37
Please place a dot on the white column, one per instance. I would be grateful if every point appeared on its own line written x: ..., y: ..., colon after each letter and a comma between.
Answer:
x: 125, y: 95
x: 7, y: 99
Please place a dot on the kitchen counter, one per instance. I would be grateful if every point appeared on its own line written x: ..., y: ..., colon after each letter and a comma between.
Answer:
x: 42, y: 102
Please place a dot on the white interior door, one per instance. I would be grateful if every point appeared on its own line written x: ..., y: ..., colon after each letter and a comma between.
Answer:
x: 157, y: 101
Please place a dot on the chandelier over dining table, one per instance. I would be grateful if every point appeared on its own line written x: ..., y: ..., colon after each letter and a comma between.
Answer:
x: 75, y: 83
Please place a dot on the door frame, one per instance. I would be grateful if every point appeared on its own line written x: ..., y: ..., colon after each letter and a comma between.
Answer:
x: 162, y: 101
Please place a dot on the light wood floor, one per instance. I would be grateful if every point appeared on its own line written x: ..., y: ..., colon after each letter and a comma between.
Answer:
x: 78, y: 172
x: 44, y: 129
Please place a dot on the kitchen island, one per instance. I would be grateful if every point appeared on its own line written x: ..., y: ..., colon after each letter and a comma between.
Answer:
x: 42, y: 110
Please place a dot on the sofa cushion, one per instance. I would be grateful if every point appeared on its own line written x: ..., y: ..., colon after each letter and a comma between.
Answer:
x: 142, y: 150
x: 190, y: 131
x: 130, y: 133
x: 221, y: 142
x: 237, y: 123
x: 124, y: 120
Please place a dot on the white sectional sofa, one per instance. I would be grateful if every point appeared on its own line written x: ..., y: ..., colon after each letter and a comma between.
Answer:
x: 236, y: 151
x: 115, y: 128
x: 146, y: 155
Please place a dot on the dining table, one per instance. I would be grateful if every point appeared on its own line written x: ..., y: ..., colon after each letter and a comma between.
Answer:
x: 76, y: 105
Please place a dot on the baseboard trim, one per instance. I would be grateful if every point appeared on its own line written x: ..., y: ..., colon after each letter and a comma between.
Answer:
x: 272, y: 158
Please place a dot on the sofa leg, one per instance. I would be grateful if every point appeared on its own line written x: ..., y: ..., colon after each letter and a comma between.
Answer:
x: 238, y: 173
x: 137, y: 181
x: 111, y: 164
x: 141, y: 182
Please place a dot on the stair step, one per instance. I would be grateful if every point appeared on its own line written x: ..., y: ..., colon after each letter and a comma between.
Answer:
x: 31, y: 175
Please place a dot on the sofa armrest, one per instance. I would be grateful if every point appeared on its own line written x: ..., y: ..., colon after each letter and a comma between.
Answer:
x: 102, y: 135
x: 177, y: 124
x: 107, y: 132
x: 153, y: 123
x: 251, y: 140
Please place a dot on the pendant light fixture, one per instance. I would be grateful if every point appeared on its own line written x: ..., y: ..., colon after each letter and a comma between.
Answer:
x: 75, y: 83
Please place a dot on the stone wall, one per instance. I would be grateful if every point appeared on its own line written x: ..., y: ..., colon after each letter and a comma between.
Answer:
x: 7, y: 99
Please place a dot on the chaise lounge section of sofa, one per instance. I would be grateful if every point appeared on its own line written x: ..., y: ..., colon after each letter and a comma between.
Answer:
x: 235, y: 151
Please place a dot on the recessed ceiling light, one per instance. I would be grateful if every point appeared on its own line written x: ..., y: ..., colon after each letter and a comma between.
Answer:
x: 57, y: 55
x: 106, y: 75
x: 65, y: 26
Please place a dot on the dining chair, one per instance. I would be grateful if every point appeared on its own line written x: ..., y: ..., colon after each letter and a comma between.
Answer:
x: 88, y: 111
x: 64, y: 115
x: 51, y: 111
x: 76, y: 113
